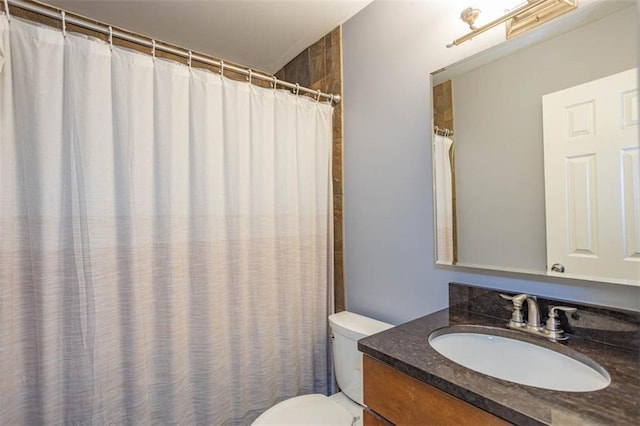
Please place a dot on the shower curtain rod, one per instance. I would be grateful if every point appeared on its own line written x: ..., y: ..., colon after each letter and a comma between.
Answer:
x: 442, y: 132
x: 90, y: 24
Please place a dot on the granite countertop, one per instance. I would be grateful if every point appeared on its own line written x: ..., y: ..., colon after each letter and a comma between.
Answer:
x: 406, y: 348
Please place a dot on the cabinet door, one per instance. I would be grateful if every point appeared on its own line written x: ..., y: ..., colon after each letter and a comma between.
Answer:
x: 592, y: 179
x: 403, y: 400
x: 370, y: 418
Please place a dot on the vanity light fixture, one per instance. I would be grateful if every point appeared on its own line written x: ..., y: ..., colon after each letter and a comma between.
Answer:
x: 521, y: 19
x: 469, y: 15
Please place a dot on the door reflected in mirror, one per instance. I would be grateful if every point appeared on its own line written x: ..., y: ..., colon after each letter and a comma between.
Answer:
x: 491, y: 213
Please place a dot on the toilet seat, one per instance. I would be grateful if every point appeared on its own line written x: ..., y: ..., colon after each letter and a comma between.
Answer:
x: 315, y: 409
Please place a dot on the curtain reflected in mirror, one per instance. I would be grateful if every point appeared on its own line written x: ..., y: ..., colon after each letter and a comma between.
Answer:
x: 444, y: 175
x: 443, y: 160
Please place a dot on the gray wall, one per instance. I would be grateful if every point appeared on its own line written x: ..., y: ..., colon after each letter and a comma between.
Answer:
x: 498, y: 128
x: 389, y: 49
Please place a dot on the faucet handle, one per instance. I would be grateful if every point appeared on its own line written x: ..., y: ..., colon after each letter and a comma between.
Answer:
x: 553, y: 309
x: 517, y: 319
x: 552, y: 326
x: 517, y: 300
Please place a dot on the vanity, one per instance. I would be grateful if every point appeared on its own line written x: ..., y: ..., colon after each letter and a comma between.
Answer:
x: 406, y: 381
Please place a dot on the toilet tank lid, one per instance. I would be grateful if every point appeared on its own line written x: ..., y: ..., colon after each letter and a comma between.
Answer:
x: 356, y: 326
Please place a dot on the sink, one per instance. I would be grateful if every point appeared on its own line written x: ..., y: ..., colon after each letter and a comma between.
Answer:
x: 506, y: 355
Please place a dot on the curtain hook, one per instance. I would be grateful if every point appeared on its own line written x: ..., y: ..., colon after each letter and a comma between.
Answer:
x: 221, y: 67
x: 189, y: 59
x: 275, y: 82
x: 250, y: 76
x: 64, y: 23
x: 110, y: 37
x: 297, y: 89
x: 6, y: 10
x: 153, y: 49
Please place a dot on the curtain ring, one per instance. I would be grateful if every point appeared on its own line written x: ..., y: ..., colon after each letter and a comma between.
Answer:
x: 110, y: 37
x: 6, y: 10
x: 331, y: 99
x: 189, y: 59
x: 250, y: 76
x: 153, y: 49
x: 221, y: 67
x: 297, y: 89
x: 64, y: 23
x: 274, y: 83
x: 318, y: 95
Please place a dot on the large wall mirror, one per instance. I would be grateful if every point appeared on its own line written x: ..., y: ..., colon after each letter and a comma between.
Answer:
x: 490, y: 134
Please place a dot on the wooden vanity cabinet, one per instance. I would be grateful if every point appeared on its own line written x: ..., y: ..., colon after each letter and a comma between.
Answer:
x: 396, y: 398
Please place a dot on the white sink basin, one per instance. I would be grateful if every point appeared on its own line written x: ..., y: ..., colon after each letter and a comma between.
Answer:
x: 519, y: 361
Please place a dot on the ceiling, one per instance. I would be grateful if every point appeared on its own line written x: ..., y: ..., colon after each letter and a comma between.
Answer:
x: 261, y: 34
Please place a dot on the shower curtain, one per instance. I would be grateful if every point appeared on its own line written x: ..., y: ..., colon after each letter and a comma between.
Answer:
x: 443, y: 188
x: 165, y: 251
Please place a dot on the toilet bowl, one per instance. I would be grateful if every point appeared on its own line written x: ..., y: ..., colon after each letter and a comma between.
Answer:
x: 345, y: 407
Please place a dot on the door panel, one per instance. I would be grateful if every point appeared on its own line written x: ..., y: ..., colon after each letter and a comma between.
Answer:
x: 581, y: 205
x: 631, y: 212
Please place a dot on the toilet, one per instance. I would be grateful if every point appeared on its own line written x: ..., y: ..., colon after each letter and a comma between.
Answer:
x: 345, y: 407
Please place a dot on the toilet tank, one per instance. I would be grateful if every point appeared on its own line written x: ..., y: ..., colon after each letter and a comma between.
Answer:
x: 346, y: 329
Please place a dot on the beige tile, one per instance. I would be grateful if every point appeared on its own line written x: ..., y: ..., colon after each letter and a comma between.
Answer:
x: 297, y: 71
x: 333, y: 84
x: 337, y: 187
x: 316, y: 62
x: 333, y: 54
x: 319, y: 85
x: 337, y: 160
x: 337, y: 222
x: 337, y: 122
x: 338, y: 283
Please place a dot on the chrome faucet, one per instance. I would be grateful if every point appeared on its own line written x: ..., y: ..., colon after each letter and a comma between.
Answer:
x: 551, y: 329
x: 533, y: 322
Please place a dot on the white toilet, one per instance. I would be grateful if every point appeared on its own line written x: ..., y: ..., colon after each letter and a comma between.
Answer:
x: 343, y: 408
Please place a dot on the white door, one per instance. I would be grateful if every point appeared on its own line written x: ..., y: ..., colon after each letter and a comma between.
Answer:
x: 592, y: 180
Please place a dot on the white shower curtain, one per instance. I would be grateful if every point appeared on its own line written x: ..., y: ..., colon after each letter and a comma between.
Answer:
x: 165, y: 238
x: 443, y: 189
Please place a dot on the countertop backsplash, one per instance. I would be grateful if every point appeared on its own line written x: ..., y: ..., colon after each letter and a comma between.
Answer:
x: 612, y: 327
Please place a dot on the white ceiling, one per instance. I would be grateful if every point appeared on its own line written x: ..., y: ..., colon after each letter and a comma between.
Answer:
x: 261, y: 34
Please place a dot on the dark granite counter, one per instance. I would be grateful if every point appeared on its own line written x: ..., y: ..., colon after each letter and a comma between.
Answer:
x: 406, y: 348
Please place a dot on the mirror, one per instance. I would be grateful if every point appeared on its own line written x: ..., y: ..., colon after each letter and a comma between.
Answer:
x: 488, y: 129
